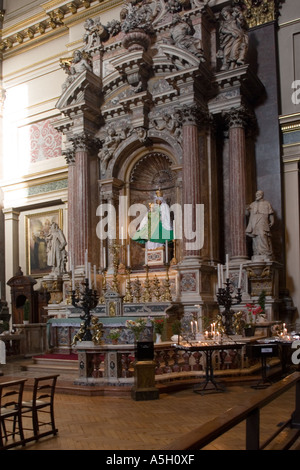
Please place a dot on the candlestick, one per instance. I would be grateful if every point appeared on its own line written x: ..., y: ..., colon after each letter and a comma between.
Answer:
x: 226, y: 299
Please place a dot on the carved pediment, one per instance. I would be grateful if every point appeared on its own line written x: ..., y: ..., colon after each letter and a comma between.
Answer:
x: 83, y: 93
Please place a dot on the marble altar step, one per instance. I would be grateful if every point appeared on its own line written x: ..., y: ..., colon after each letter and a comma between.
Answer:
x: 53, y: 364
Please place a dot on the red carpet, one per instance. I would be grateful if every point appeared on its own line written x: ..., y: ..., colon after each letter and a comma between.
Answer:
x: 66, y: 357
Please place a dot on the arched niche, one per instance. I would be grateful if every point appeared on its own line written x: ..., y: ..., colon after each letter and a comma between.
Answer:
x: 151, y: 172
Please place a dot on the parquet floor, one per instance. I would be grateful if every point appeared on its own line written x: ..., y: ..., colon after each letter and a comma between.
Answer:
x: 120, y: 423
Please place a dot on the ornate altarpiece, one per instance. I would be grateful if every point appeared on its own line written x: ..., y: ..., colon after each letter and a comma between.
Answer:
x: 150, y: 101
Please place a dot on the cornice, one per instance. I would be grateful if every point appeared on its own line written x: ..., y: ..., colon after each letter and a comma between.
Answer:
x: 55, y: 19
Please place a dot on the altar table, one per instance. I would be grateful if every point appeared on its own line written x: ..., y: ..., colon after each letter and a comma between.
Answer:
x: 208, y: 348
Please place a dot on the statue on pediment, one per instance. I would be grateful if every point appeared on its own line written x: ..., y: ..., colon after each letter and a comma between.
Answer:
x: 233, y: 38
x: 75, y: 67
x: 183, y: 36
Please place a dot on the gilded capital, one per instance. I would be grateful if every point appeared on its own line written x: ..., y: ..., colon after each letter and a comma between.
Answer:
x: 259, y: 12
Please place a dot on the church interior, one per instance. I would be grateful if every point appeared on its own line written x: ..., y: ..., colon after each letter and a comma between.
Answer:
x: 149, y: 223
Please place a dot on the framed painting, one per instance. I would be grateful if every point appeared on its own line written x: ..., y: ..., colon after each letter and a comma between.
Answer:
x: 37, y: 229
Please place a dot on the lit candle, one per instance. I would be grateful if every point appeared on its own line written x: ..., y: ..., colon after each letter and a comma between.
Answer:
x: 240, y: 276
x: 227, y: 267
x: 95, y: 278
x: 166, y: 254
x: 128, y: 255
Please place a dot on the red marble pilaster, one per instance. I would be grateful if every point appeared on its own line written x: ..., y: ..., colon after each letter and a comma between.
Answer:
x: 191, y: 191
x: 81, y: 200
x: 237, y: 184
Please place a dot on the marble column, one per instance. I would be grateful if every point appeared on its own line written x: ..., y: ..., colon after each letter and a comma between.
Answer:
x: 80, y: 197
x: 237, y: 183
x: 191, y: 191
x: 70, y: 159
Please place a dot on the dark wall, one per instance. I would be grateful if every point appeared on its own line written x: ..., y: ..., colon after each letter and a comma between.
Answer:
x: 263, y: 57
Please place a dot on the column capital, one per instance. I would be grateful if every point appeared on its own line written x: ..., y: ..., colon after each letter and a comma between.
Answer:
x: 69, y: 155
x: 240, y: 117
x: 85, y: 142
x: 194, y: 114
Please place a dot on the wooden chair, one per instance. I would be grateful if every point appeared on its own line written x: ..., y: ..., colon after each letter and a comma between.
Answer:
x: 11, y: 396
x: 42, y: 402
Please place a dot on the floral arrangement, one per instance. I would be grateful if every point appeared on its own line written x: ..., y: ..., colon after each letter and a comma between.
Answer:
x: 136, y: 326
x: 254, y: 312
x: 158, y: 325
x: 114, y: 334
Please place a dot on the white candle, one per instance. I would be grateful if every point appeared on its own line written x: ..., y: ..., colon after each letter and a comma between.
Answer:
x: 73, y: 280
x: 70, y: 263
x: 196, y: 326
x: 222, y: 275
x: 128, y: 255
x: 219, y: 277
x: 89, y: 276
x: 146, y: 256
x: 240, y: 276
x: 122, y: 235
x: 95, y: 278
x: 192, y: 327
x: 166, y: 254
x: 104, y: 258
x: 174, y: 233
x: 86, y: 263
x: 227, y: 267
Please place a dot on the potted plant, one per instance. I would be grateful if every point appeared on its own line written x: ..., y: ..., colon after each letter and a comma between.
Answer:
x: 158, y: 327
x: 114, y: 335
x: 26, y: 311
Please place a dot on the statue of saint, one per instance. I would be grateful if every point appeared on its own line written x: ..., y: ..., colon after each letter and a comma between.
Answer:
x: 260, y: 221
x: 56, y: 253
x: 156, y: 227
x: 233, y: 38
x: 79, y: 64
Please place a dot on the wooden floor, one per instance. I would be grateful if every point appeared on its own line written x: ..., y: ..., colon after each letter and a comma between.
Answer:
x: 120, y: 423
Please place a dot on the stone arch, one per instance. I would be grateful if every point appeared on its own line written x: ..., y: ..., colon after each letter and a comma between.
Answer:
x: 132, y: 149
